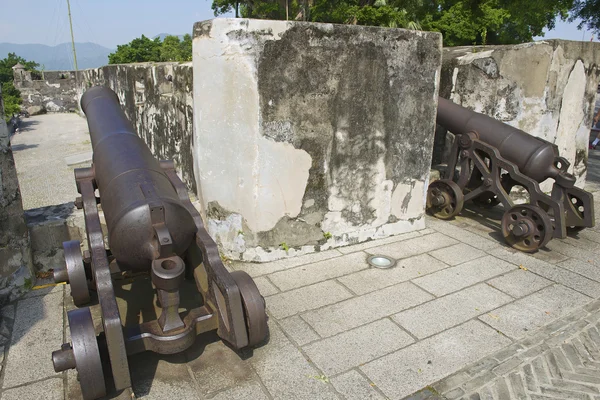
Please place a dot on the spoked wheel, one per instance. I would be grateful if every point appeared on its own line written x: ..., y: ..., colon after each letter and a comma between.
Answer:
x: 83, y: 354
x: 444, y: 199
x: 74, y: 273
x: 526, y: 227
x: 487, y: 200
x: 254, y: 308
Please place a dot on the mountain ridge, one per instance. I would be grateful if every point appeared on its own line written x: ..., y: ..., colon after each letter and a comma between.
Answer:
x: 59, y: 57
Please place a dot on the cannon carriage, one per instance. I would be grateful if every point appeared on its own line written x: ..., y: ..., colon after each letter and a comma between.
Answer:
x: 153, y: 229
x: 488, y: 158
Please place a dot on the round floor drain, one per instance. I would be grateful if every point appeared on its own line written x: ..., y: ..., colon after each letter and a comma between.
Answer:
x: 383, y: 262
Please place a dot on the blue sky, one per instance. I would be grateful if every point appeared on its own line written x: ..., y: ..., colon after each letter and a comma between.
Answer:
x: 112, y: 22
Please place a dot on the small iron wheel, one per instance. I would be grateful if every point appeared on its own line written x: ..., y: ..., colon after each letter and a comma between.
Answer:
x: 444, y: 199
x: 526, y: 227
x: 86, y: 353
x: 487, y: 200
x: 254, y: 308
x: 76, y: 272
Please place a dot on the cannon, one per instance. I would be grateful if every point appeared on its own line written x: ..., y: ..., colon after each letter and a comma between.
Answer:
x: 488, y: 159
x: 154, y: 232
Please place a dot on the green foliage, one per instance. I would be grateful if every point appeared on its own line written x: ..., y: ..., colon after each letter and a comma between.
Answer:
x: 588, y: 11
x: 10, y: 94
x: 143, y: 49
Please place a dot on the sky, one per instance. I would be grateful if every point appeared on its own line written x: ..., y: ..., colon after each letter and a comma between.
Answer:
x: 113, y: 22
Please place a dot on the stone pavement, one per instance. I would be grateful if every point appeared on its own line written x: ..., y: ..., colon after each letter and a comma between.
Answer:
x: 342, y: 330
x: 53, y: 144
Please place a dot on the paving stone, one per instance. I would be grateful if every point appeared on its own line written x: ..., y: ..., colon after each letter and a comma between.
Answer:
x: 286, y: 373
x: 38, y: 330
x: 579, y: 253
x: 534, y: 311
x: 463, y: 275
x: 361, y: 310
x: 258, y: 269
x: 353, y: 386
x: 585, y: 268
x: 357, y: 346
x: 247, y: 391
x: 413, y: 247
x: 519, y: 283
x: 298, y: 330
x: 49, y: 389
x: 481, y: 380
x: 549, y: 256
x: 306, y: 298
x: 443, y: 313
x: 376, y: 278
x: 379, y: 242
x: 501, y: 389
x: 58, y: 288
x: 562, y: 384
x: 320, y: 271
x: 473, y: 239
x: 507, y: 366
x: 457, y: 254
x: 451, y: 382
x: 265, y: 287
x: 589, y: 235
x: 481, y: 366
x: 425, y: 362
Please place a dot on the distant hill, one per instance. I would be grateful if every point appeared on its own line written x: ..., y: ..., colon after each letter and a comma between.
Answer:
x: 59, y: 57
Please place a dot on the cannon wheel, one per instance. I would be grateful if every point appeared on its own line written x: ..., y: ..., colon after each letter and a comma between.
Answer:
x: 87, y: 354
x: 254, y: 308
x: 76, y: 271
x: 526, y: 227
x: 445, y: 199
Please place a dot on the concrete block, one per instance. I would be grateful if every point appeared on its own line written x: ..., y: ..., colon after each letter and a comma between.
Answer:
x: 337, y: 152
x: 319, y: 271
x: 38, y: 330
x: 265, y: 287
x: 361, y: 310
x: 457, y: 254
x: 545, y: 88
x: 286, y: 373
x: 427, y: 361
x: 307, y: 298
x: 259, y: 269
x: 443, y: 313
x: 49, y: 389
x: 298, y: 330
x: 534, y: 311
x: 375, y: 278
x: 353, y: 386
x: 355, y: 347
x: 519, y: 283
x: 413, y: 247
x: 463, y: 275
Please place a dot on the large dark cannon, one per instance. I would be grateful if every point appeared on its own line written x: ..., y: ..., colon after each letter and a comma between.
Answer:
x: 489, y: 158
x: 154, y: 232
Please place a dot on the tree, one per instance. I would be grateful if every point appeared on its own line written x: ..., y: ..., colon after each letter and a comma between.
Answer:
x: 588, y: 11
x: 10, y: 94
x: 143, y: 50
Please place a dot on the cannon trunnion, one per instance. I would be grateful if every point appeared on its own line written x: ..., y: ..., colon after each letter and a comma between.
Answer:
x: 489, y: 158
x: 155, y: 232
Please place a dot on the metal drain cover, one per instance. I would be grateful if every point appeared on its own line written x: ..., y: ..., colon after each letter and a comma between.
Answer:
x: 382, y: 262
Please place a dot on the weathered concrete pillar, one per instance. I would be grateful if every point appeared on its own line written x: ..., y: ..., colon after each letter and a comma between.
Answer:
x: 311, y: 136
x: 547, y: 89
x: 16, y: 268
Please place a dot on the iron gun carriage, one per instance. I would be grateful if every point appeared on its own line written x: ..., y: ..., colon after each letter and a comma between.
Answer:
x: 488, y: 159
x: 153, y: 229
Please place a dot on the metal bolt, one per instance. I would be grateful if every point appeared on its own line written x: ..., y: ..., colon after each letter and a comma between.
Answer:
x: 64, y: 358
x: 487, y: 182
x: 438, y: 200
x: 520, y: 229
x: 464, y: 154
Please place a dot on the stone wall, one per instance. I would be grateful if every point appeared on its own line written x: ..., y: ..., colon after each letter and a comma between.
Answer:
x: 311, y: 136
x: 52, y: 91
x: 16, y: 268
x: 547, y: 89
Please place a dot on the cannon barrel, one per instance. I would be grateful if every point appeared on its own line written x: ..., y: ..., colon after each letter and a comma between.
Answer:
x: 136, y: 195
x: 535, y: 157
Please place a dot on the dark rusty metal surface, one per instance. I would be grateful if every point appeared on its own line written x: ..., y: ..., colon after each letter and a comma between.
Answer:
x: 254, y: 307
x: 76, y: 273
x: 444, y: 199
x: 526, y: 227
x: 492, y: 158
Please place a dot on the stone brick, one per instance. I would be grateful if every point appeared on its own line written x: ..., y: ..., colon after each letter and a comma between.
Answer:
x: 472, y: 239
x: 360, y: 310
x: 507, y: 366
x: 49, y: 389
x: 306, y: 298
x: 463, y: 275
x: 265, y: 287
x: 353, y: 386
x: 407, y: 370
x: 585, y: 268
x: 247, y: 391
x: 443, y: 313
x: 298, y: 330
x: 258, y: 269
x: 457, y: 254
x: 451, y: 382
x: 413, y: 247
x: 375, y: 278
x: 519, y: 283
x: 534, y: 311
x: 356, y: 347
x: 319, y: 271
x: 380, y: 242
